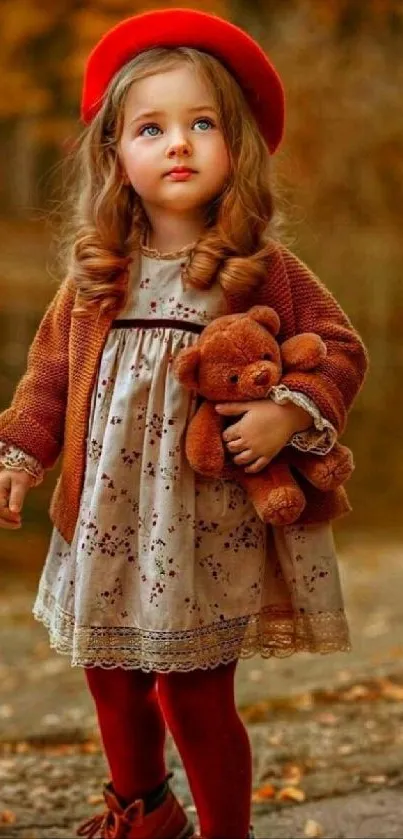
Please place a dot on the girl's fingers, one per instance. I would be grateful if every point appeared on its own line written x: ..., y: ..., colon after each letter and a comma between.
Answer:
x: 5, y: 504
x: 8, y: 520
x: 231, y: 433
x: 258, y: 465
x: 233, y: 408
x: 7, y: 515
x: 9, y: 525
x: 245, y: 457
x: 236, y: 445
x: 9, y: 493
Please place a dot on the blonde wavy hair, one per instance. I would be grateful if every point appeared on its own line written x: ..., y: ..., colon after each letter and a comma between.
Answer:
x: 107, y: 220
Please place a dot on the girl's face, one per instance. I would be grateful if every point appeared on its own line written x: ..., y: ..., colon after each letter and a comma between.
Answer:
x: 171, y: 120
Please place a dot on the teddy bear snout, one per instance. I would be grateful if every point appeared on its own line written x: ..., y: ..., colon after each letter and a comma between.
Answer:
x: 263, y: 377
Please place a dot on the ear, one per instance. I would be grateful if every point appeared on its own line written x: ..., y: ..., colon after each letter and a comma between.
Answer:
x: 303, y: 352
x: 186, y: 367
x: 267, y: 317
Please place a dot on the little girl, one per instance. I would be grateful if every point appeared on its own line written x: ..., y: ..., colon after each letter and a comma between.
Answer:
x: 157, y: 581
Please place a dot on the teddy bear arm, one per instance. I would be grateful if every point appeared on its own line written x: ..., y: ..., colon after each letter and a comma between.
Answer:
x: 204, y: 444
x: 303, y: 352
x: 325, y: 472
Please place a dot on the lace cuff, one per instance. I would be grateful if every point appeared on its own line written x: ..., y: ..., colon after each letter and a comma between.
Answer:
x: 11, y: 457
x: 319, y: 439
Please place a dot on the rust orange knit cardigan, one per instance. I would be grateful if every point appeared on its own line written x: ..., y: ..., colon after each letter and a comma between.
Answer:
x: 50, y: 408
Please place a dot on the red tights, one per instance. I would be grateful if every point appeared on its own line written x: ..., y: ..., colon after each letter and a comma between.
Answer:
x: 200, y: 712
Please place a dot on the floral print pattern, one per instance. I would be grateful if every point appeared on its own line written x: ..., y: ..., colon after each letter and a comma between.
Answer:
x: 168, y: 570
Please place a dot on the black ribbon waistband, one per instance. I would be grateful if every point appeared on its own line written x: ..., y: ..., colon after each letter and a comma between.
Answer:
x: 152, y: 323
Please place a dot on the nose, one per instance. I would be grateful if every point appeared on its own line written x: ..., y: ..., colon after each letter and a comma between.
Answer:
x: 179, y: 146
x: 263, y: 377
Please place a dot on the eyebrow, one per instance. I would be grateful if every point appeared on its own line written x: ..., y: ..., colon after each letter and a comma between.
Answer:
x: 148, y: 114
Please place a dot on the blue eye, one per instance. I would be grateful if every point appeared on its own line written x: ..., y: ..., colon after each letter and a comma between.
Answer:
x: 148, y: 128
x: 205, y: 121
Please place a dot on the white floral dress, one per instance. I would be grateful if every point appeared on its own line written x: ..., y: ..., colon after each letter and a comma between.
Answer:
x: 168, y: 570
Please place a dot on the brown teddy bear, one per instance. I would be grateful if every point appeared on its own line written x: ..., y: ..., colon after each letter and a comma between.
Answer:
x: 237, y: 358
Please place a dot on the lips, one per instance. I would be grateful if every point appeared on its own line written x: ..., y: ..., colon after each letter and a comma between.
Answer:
x: 180, y: 170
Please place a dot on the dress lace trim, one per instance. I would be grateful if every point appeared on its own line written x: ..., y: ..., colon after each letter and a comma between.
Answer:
x: 273, y: 632
x: 318, y: 440
x: 11, y: 457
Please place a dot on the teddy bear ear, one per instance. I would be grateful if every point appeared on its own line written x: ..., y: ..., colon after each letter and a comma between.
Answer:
x: 186, y: 367
x: 267, y: 317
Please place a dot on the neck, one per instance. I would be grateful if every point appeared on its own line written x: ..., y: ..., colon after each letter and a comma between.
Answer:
x: 171, y: 233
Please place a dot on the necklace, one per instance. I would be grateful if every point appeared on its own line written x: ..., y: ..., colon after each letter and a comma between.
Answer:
x: 156, y: 254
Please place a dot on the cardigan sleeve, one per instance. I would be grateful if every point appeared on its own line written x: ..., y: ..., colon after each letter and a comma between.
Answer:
x: 321, y: 436
x: 34, y: 422
x: 335, y: 383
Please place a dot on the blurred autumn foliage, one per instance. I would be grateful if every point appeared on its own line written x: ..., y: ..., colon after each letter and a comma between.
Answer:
x: 342, y: 65
x: 339, y: 172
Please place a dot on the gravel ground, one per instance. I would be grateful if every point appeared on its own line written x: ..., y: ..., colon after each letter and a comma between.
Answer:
x: 324, y: 765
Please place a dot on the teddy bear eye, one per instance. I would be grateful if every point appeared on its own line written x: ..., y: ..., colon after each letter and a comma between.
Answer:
x: 234, y: 378
x: 266, y: 356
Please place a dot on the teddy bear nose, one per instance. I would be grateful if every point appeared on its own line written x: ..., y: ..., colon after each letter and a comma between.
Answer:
x: 262, y: 378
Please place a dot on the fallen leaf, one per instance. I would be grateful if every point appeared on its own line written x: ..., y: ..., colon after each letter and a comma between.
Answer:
x: 345, y: 749
x: 89, y: 748
x: 264, y: 793
x: 313, y: 829
x: 302, y: 702
x: 391, y: 690
x: 63, y: 749
x: 275, y: 739
x: 7, y: 817
x: 355, y: 692
x: 255, y: 713
x: 291, y: 794
x: 291, y: 773
x: 327, y: 718
x: 22, y: 748
x: 376, y: 779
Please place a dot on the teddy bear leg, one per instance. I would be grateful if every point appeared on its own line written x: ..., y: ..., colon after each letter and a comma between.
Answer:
x: 326, y: 472
x: 204, y: 444
x: 277, y: 498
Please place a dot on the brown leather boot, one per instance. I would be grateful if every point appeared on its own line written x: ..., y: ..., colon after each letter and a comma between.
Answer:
x: 168, y: 820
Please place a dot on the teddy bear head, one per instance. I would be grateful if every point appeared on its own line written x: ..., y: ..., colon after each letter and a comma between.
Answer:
x: 236, y: 357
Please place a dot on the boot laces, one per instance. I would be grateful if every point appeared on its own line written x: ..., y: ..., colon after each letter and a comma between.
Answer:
x: 110, y: 825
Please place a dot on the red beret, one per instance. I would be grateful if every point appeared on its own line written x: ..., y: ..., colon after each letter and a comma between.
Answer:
x: 242, y: 56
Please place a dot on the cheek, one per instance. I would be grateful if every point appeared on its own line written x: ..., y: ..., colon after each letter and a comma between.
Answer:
x: 221, y: 159
x: 138, y: 166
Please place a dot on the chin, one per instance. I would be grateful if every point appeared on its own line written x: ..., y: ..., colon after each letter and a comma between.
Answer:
x: 182, y: 204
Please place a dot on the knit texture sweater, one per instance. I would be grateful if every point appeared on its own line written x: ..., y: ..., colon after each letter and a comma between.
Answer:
x: 49, y: 412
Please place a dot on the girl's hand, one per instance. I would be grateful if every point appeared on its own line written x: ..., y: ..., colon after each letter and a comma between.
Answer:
x: 14, y: 485
x: 262, y: 432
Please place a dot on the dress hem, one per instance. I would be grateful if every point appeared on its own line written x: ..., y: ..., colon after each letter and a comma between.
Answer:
x: 268, y: 634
